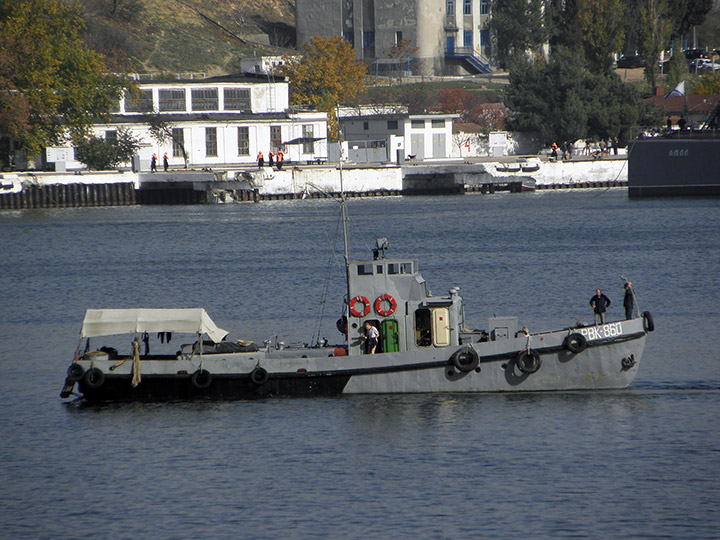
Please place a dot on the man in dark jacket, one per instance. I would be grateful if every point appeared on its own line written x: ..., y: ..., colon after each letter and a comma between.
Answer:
x: 599, y: 303
x: 628, y: 301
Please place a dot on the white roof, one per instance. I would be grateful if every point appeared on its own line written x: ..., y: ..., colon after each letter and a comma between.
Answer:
x: 107, y: 322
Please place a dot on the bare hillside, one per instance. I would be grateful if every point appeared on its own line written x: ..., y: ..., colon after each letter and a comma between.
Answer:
x: 187, y: 35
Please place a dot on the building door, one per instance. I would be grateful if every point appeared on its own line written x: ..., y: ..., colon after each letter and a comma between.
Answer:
x: 441, y: 327
x: 450, y: 45
x: 390, y: 336
x: 438, y: 145
x: 417, y: 146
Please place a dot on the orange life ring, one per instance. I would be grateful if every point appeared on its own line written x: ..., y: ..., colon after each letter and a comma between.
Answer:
x: 385, y: 312
x: 366, y: 306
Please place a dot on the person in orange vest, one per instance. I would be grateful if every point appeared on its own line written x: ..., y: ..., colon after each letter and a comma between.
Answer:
x: 153, y: 163
x: 553, y: 150
x: 261, y: 159
x: 165, y: 162
x: 280, y: 157
x: 270, y: 158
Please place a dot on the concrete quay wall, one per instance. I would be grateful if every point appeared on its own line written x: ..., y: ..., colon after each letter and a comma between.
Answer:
x: 44, y: 190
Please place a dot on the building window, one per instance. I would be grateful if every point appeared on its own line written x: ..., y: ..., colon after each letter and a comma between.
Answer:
x: 211, y: 142
x: 392, y: 124
x: 467, y: 38
x: 484, y: 38
x: 450, y: 7
x: 204, y: 99
x: 172, y: 100
x: 438, y: 123
x: 350, y: 37
x: 484, y: 7
x: 366, y: 125
x: 417, y: 124
x: 398, y: 38
x: 368, y: 40
x: 178, y: 142
x: 275, y: 137
x: 467, y: 7
x: 140, y: 101
x: 308, y: 142
x: 237, y: 99
x: 243, y: 141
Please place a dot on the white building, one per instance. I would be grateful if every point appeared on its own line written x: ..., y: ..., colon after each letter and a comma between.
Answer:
x: 391, y: 134
x: 219, y: 121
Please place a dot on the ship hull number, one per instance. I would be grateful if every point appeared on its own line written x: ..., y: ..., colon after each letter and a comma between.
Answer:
x: 602, y: 332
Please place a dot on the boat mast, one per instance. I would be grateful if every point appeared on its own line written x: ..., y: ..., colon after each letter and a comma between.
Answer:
x: 344, y: 217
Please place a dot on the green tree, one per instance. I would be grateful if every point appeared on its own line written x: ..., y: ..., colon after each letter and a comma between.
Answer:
x: 102, y: 153
x: 603, y: 25
x: 706, y: 84
x: 688, y: 13
x: 563, y: 100
x: 518, y: 28
x: 326, y: 75
x: 51, y: 85
x: 653, y: 34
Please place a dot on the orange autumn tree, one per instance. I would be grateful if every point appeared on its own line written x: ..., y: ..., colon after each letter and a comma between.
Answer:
x: 326, y: 75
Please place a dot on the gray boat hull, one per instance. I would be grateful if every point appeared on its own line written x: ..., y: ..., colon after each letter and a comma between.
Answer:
x: 609, y: 359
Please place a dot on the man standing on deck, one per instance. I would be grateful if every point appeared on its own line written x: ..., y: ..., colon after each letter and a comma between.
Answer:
x: 599, y: 303
x: 629, y: 300
x: 371, y: 338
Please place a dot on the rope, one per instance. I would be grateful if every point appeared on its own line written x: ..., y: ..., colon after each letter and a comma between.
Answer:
x: 323, y: 297
x: 136, y: 362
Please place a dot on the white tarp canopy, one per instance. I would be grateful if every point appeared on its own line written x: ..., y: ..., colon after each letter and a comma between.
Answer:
x: 108, y: 322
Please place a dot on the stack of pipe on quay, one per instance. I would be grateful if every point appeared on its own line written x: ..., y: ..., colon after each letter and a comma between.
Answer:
x: 514, y: 175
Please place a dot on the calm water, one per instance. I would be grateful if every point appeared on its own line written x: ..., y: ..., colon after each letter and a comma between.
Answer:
x: 638, y: 463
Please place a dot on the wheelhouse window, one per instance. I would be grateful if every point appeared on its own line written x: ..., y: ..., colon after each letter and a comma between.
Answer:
x: 365, y: 269
x: 204, y: 99
x: 243, y: 141
x: 211, y: 142
x: 172, y: 100
x: 236, y: 99
x: 139, y: 101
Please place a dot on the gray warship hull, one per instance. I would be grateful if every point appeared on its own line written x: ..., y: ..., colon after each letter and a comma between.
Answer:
x: 664, y: 167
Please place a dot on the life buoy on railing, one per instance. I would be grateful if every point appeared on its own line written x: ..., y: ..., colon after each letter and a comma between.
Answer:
x: 366, y: 306
x: 379, y: 304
